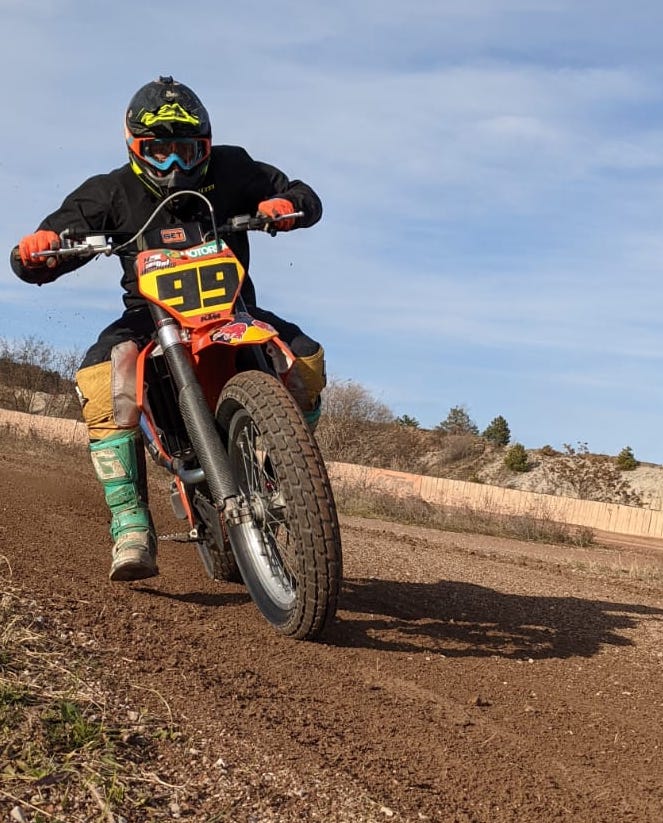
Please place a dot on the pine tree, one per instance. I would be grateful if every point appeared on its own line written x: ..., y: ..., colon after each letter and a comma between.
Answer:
x: 409, y: 422
x: 458, y: 421
x: 516, y: 458
x: 626, y: 461
x: 498, y: 432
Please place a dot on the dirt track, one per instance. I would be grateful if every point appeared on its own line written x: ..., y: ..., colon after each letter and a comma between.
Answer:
x: 467, y: 678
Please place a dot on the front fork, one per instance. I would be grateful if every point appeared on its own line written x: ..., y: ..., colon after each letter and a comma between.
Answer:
x: 196, y: 414
x: 201, y: 428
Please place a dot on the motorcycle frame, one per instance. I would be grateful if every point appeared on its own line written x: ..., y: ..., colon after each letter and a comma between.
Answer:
x: 187, y: 347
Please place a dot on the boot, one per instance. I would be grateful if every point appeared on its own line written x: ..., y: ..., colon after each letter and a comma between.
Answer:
x: 305, y: 382
x: 312, y: 416
x: 119, y: 462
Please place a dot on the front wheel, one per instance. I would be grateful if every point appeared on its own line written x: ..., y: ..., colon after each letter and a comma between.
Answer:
x: 289, y: 551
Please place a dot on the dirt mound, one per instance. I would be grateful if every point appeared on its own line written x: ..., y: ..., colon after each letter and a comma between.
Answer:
x: 646, y: 480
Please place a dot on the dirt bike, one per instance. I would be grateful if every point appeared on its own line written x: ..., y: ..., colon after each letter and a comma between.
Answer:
x: 248, y: 475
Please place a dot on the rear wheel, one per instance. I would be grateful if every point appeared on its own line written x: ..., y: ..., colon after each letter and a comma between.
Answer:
x: 288, y: 548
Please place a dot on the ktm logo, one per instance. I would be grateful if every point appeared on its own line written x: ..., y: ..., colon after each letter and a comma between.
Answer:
x: 173, y: 235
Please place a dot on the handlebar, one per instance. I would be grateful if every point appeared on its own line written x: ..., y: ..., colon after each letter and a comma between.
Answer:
x: 91, y: 245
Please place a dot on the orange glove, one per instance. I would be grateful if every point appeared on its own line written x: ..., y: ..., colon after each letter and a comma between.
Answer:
x: 275, y: 207
x: 41, y: 240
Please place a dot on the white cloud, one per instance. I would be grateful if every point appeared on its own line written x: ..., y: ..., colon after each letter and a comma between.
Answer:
x: 490, y: 173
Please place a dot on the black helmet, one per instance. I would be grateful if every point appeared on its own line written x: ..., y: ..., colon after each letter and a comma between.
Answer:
x: 168, y: 136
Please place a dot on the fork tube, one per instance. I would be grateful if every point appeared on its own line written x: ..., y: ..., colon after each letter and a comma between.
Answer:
x: 198, y: 418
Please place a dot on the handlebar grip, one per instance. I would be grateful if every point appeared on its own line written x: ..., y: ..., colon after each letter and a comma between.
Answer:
x: 49, y: 262
x: 39, y: 258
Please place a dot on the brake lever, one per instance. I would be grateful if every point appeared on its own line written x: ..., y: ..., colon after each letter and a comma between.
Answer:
x: 94, y: 244
x: 244, y: 222
x: 273, y: 230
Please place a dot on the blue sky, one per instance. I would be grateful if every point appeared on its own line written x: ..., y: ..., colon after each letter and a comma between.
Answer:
x: 492, y: 176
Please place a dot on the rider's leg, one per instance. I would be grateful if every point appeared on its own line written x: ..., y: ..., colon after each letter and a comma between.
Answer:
x: 306, y: 379
x: 119, y: 462
x: 106, y: 389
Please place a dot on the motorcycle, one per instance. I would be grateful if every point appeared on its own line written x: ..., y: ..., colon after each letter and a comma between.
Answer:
x: 247, y: 473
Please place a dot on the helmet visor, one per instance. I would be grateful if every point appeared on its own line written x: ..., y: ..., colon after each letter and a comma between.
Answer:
x: 163, y: 154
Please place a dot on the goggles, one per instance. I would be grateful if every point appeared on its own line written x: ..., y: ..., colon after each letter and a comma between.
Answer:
x: 163, y: 154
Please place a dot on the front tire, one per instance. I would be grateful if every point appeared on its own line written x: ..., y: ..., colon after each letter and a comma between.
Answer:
x: 289, y: 555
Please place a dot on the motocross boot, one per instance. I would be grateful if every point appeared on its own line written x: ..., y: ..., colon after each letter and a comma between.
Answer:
x: 312, y: 416
x: 119, y: 462
x: 305, y: 382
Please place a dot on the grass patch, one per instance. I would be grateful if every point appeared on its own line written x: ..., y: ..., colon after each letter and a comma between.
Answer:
x: 355, y: 499
x: 69, y: 752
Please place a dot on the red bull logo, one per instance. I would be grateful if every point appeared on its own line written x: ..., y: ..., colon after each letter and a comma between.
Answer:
x: 230, y: 332
x: 265, y: 326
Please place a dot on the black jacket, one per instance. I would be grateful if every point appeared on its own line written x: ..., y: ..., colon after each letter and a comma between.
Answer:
x: 118, y: 204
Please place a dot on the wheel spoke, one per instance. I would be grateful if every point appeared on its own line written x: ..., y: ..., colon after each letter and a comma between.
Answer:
x: 259, y: 484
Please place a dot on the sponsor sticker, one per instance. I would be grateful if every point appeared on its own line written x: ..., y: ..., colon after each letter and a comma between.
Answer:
x: 203, y: 251
x: 176, y: 235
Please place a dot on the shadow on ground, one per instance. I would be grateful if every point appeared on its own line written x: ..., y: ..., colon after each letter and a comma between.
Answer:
x: 466, y: 620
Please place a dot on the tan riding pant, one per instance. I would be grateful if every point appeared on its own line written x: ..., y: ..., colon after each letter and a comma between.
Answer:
x: 107, y: 391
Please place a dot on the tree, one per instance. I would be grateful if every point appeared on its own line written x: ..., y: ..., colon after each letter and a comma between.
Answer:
x: 498, y: 431
x: 578, y: 473
x: 38, y: 379
x: 352, y: 422
x: 409, y: 422
x: 626, y: 461
x: 351, y: 401
x: 516, y: 459
x: 458, y: 421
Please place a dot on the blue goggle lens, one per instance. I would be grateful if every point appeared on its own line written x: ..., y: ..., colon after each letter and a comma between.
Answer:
x: 186, y: 152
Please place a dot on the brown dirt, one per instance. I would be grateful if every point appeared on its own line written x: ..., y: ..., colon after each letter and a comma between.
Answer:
x: 467, y: 678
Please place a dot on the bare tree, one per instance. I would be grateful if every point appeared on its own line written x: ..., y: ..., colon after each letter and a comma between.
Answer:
x: 352, y: 422
x: 38, y: 379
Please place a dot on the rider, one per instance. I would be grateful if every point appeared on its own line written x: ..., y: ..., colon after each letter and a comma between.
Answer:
x: 168, y: 137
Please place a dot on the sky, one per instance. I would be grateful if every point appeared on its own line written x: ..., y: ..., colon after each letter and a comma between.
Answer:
x: 491, y: 174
